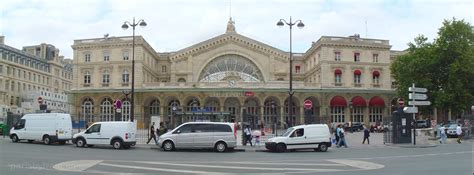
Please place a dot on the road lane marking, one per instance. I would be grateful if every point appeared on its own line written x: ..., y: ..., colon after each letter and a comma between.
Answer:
x: 155, y: 169
x: 358, y: 164
x: 239, y: 167
x: 76, y: 165
x: 282, y: 163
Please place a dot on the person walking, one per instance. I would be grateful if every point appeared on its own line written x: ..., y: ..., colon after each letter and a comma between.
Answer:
x: 152, y: 133
x: 337, y: 134
x: 366, y: 135
x: 161, y: 130
x: 442, y: 135
x: 248, y: 135
x: 459, y: 133
x: 342, y: 140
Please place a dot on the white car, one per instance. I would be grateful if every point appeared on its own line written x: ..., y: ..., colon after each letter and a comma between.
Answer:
x: 199, y: 135
x: 45, y: 127
x: 118, y: 134
x: 314, y: 136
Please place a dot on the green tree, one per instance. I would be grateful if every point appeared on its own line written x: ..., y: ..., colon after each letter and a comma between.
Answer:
x: 445, y: 67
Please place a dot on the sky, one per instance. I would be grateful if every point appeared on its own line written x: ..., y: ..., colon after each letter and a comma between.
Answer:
x: 176, y: 24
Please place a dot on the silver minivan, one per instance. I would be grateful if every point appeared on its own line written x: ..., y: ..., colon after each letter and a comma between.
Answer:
x: 200, y: 135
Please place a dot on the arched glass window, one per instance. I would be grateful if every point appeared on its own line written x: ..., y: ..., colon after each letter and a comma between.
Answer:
x: 106, y: 110
x: 126, y: 110
x: 193, y: 105
x: 231, y: 66
x: 155, y: 107
x: 87, y: 109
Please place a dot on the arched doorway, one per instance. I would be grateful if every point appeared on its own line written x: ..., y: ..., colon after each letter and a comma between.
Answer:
x: 356, y: 107
x: 338, y: 107
x: 271, y: 113
x: 376, y: 108
x: 311, y: 115
x: 171, y: 110
x: 292, y: 120
x: 232, y: 106
x: 250, y: 113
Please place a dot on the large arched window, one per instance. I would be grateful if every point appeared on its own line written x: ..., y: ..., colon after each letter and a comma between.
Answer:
x: 231, y: 67
x: 126, y: 110
x: 106, y: 110
x: 155, y: 107
x: 87, y: 109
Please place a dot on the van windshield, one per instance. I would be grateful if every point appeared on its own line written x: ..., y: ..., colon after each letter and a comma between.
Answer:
x: 288, y: 132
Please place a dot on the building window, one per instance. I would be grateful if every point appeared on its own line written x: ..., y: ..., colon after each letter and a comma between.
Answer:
x: 106, y: 56
x: 87, y: 57
x: 106, y: 110
x: 87, y: 77
x: 357, y: 76
x: 125, y: 76
x: 155, y: 108
x: 375, y: 113
x: 126, y: 110
x: 356, y: 57
x: 298, y: 69
x: 337, y: 75
x: 376, y: 77
x: 125, y: 55
x: 163, y: 68
x: 337, y: 114
x: 357, y: 114
x: 337, y: 56
x: 375, y: 58
x: 106, y: 77
x: 1, y: 69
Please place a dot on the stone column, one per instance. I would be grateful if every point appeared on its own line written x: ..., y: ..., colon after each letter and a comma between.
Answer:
x: 282, y: 116
x: 302, y: 115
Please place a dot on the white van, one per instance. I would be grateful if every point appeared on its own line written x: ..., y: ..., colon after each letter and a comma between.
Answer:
x: 45, y: 127
x: 118, y: 134
x: 217, y: 135
x: 314, y: 136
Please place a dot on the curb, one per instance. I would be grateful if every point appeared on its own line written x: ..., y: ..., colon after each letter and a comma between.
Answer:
x: 413, y: 146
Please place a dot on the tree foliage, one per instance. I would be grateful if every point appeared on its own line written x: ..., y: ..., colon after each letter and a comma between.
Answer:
x: 445, y: 67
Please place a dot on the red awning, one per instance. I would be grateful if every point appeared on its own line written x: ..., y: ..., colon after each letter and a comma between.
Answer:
x: 376, y: 101
x: 338, y: 101
x: 376, y: 73
x: 357, y: 72
x: 338, y: 72
x: 358, y: 101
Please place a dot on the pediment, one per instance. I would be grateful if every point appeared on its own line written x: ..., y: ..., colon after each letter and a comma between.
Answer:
x: 230, y: 38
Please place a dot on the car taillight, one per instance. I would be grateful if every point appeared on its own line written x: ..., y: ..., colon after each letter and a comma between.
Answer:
x: 126, y: 135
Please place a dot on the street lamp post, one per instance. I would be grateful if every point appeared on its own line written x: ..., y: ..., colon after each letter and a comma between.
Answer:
x: 125, y: 25
x: 300, y: 25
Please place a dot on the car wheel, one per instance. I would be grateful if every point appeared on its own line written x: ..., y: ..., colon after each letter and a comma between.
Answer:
x: 322, y: 147
x: 80, y: 142
x: 117, y: 144
x: 46, y: 140
x: 15, y: 138
x: 220, y: 147
x: 281, y: 147
x: 168, y: 146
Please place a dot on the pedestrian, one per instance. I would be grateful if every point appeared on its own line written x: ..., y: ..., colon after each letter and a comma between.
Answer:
x: 459, y: 133
x: 342, y: 140
x: 366, y: 135
x: 152, y: 133
x: 337, y: 133
x: 248, y: 135
x: 161, y: 130
x: 442, y: 135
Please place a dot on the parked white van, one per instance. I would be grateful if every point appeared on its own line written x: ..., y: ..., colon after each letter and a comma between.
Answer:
x: 45, y: 127
x: 314, y: 136
x: 118, y: 134
x: 216, y: 135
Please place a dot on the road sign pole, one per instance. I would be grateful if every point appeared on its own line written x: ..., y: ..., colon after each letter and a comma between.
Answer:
x: 414, y: 117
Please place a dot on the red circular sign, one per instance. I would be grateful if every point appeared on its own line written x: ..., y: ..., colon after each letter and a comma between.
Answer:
x: 308, y: 104
x: 40, y: 100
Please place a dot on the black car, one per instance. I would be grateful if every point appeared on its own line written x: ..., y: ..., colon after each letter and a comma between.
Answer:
x: 355, y: 127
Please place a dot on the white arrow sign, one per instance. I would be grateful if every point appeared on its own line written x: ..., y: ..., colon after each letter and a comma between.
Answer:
x: 418, y: 96
x: 419, y: 103
x: 410, y: 109
x: 422, y: 90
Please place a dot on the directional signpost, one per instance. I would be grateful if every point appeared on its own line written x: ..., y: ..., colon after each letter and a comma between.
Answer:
x: 416, y: 94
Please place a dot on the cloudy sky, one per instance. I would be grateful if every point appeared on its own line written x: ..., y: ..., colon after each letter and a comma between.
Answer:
x: 176, y: 24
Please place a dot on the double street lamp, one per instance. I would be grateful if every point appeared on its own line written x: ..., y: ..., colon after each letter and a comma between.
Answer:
x: 300, y: 25
x: 125, y: 25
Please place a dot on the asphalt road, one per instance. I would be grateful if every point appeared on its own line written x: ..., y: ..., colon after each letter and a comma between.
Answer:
x: 35, y: 158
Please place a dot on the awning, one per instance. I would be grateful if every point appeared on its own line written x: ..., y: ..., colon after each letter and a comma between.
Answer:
x: 357, y: 72
x: 376, y: 101
x: 358, y: 101
x: 338, y: 101
x: 376, y: 73
x: 338, y: 72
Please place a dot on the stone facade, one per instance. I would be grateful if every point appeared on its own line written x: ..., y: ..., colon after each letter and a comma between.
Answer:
x: 34, y: 68
x: 234, y: 78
